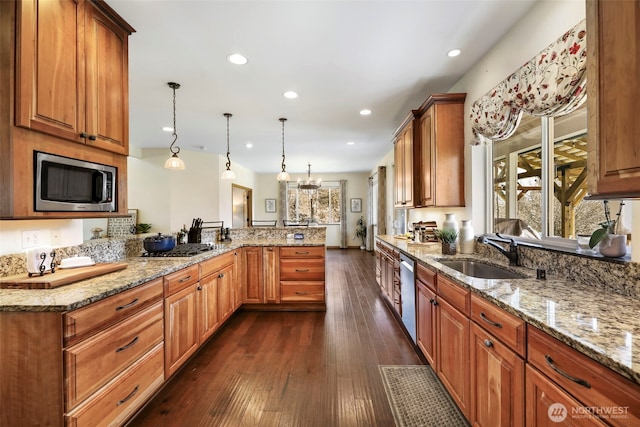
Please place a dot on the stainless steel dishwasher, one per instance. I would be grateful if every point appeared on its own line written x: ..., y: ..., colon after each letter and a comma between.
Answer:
x: 408, y: 295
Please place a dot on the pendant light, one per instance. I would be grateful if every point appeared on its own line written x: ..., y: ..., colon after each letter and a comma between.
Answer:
x: 309, y: 184
x: 174, y: 162
x: 228, y: 174
x: 283, y: 176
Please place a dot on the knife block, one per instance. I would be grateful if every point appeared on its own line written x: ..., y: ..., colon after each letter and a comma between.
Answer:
x: 194, y: 235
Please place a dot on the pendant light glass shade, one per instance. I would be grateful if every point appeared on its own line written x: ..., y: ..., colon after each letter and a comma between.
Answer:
x: 174, y: 162
x: 283, y: 175
x: 228, y: 173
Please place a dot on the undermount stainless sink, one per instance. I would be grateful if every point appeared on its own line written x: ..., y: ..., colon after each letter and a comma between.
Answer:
x: 480, y: 270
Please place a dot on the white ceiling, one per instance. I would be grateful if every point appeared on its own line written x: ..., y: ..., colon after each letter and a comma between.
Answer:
x: 340, y: 56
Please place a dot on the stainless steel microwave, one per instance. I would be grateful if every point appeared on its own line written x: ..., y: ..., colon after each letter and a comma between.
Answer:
x: 63, y: 184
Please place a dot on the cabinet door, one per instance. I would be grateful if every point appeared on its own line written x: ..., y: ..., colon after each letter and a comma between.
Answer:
x: 398, y: 171
x: 50, y: 90
x: 181, y: 328
x: 453, y: 354
x: 271, y: 274
x: 497, y: 382
x: 253, y: 280
x: 549, y: 406
x: 208, y: 318
x: 426, y: 159
x: 225, y: 292
x: 613, y: 37
x: 407, y: 167
x: 427, y: 322
x: 237, y: 279
x: 107, y: 91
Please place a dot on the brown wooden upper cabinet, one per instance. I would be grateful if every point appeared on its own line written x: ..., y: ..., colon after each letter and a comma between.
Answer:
x: 613, y: 37
x: 429, y: 154
x: 72, y: 72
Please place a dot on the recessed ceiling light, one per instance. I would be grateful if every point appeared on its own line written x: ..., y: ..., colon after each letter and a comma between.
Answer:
x: 167, y: 129
x: 290, y: 94
x: 248, y: 145
x: 350, y: 143
x: 236, y: 58
x: 453, y: 53
x: 365, y: 112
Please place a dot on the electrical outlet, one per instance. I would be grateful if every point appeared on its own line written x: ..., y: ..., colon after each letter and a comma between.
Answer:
x: 55, y: 237
x: 31, y: 238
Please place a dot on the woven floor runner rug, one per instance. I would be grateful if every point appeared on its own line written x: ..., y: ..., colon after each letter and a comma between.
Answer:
x: 417, y: 398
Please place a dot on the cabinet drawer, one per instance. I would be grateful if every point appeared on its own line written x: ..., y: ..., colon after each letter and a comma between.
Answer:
x: 588, y: 381
x: 508, y: 328
x: 79, y: 324
x: 302, y: 252
x: 426, y: 276
x: 301, y: 291
x: 181, y: 279
x: 93, y: 362
x: 454, y: 294
x: 119, y: 399
x: 302, y: 269
x: 215, y: 264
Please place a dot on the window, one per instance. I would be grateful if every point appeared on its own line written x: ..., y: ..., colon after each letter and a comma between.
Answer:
x: 321, y: 205
x: 540, y: 180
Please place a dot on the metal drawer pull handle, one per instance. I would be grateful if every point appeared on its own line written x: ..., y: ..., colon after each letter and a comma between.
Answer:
x: 135, y: 390
x: 492, y: 323
x: 564, y: 374
x: 302, y: 270
x: 185, y: 279
x: 302, y: 293
x: 132, y: 303
x: 302, y: 252
x: 124, y: 347
x: 488, y: 343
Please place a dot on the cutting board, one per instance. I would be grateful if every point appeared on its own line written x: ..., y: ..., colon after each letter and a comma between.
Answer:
x: 60, y: 277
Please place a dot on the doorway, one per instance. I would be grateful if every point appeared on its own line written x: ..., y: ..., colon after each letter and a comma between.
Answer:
x: 242, y: 206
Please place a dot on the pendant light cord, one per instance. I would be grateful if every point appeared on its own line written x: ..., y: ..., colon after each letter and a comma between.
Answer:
x: 284, y: 167
x: 227, y: 115
x: 175, y: 151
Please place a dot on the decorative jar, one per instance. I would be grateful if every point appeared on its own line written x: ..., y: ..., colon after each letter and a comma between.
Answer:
x: 466, y: 238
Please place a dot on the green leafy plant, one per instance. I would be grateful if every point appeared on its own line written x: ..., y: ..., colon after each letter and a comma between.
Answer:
x: 361, y: 230
x: 447, y: 235
x: 607, y: 227
x: 143, y: 228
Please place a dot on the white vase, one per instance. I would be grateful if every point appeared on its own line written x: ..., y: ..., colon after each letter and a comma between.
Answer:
x: 466, y: 238
x: 450, y: 222
x: 613, y: 245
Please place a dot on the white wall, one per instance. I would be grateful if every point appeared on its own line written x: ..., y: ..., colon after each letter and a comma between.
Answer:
x: 546, y: 21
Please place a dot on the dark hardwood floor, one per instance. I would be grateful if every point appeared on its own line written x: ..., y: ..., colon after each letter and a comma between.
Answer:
x: 294, y: 368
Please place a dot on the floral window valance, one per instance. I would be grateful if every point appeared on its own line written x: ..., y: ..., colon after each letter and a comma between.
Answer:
x: 553, y: 83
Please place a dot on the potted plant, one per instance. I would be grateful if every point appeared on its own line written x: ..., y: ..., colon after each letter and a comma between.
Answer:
x: 361, y: 231
x: 448, y: 237
x: 611, y: 243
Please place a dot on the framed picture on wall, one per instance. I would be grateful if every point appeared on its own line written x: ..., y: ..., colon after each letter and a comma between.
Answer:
x: 356, y: 205
x: 269, y: 205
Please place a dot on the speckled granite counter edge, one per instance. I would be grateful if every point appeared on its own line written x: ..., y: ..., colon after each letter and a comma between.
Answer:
x: 429, y: 255
x: 139, y: 270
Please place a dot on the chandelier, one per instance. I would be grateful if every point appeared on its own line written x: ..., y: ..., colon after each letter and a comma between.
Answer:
x: 309, y: 184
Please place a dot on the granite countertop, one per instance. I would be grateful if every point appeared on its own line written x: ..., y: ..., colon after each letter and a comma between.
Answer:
x: 600, y: 324
x: 139, y: 270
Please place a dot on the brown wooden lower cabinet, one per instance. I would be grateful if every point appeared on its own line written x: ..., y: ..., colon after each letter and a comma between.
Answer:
x: 181, y: 327
x: 453, y: 354
x: 427, y: 321
x: 497, y: 382
x: 549, y: 406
